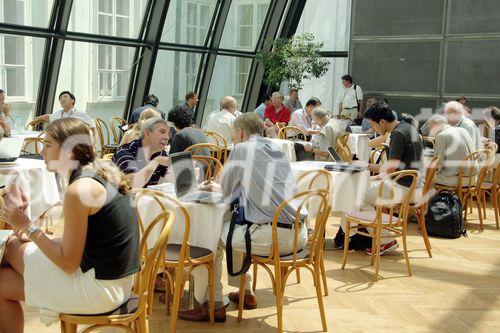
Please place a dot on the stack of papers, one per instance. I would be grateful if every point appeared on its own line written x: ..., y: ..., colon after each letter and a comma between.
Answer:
x: 168, y: 188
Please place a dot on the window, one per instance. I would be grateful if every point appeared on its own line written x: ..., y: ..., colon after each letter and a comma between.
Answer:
x: 13, y: 65
x: 248, y: 18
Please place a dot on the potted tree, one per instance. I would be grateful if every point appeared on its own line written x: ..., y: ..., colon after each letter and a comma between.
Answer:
x: 293, y: 59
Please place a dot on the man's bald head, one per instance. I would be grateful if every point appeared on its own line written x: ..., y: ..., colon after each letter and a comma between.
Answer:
x: 229, y: 103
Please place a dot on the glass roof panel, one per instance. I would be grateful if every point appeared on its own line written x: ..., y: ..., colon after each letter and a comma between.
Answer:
x: 30, y: 13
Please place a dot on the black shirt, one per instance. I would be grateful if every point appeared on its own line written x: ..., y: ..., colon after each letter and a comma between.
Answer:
x: 112, y: 242
x: 137, y: 113
x: 130, y: 159
x: 189, y: 111
x: 406, y: 146
x: 187, y: 137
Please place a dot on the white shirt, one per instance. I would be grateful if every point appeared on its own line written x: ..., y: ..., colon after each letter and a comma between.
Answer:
x: 73, y: 113
x: 222, y: 123
x: 302, y: 120
x: 348, y: 97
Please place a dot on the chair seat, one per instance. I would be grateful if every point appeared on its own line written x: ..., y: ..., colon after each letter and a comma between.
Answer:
x: 127, y: 308
x: 302, y: 254
x: 195, y: 252
x: 370, y: 216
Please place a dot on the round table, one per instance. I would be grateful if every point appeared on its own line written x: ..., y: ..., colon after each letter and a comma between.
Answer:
x: 358, y: 144
x: 37, y: 183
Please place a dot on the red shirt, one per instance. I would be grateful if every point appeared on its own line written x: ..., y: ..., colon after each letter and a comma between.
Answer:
x: 282, y: 117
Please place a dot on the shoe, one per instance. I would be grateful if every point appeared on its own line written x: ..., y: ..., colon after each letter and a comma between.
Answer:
x: 385, y: 248
x: 249, y: 301
x: 201, y: 313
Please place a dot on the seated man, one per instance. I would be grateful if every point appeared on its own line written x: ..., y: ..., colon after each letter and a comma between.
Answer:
x: 275, y: 115
x: 145, y: 160
x: 453, y: 112
x: 221, y: 121
x: 257, y: 173
x: 405, y: 153
x: 266, y: 100
x: 302, y: 118
x: 150, y: 102
x: 452, y: 145
x: 330, y: 130
x: 186, y: 135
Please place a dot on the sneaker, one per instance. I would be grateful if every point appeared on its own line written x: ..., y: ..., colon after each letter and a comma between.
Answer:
x: 385, y: 248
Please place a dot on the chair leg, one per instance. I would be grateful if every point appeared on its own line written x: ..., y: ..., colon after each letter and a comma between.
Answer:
x: 279, y: 297
x: 211, y: 299
x: 377, y: 252
x: 317, y: 269
x: 68, y: 327
x: 494, y: 200
x: 297, y: 274
x: 346, y: 243
x: 405, y: 249
x: 423, y: 230
x: 178, y: 289
x: 242, y: 296
x: 254, y: 283
x: 323, y: 273
x: 479, y: 210
x: 142, y: 324
x: 167, y: 294
x: 483, y: 198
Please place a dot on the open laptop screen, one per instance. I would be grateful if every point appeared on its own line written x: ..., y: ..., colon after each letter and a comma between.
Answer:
x: 333, y: 154
x: 185, y: 178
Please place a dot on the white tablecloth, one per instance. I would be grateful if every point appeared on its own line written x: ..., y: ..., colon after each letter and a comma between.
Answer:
x: 288, y: 148
x: 37, y: 183
x: 206, y: 223
x: 26, y: 135
x: 358, y: 144
x: 347, y: 189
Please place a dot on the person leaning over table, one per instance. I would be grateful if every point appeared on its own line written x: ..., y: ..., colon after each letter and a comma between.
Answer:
x: 247, y: 176
x: 145, y: 160
x: 302, y: 118
x: 134, y: 131
x: 275, y: 115
x: 405, y: 153
x: 330, y: 129
x: 89, y: 270
x: 453, y: 112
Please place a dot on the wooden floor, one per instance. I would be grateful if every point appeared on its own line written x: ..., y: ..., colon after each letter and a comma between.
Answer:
x: 458, y: 290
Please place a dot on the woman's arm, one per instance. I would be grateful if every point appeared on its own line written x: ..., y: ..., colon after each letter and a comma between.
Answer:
x: 83, y: 198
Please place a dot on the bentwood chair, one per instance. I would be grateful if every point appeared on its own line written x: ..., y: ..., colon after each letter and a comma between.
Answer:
x: 377, y: 220
x: 418, y: 207
x: 37, y: 143
x: 35, y: 124
x: 104, y: 140
x: 204, y: 149
x: 292, y: 133
x: 492, y: 189
x: 219, y: 140
x: 133, y: 315
x: 116, y: 123
x: 379, y: 155
x: 213, y: 168
x: 308, y: 258
x: 179, y: 257
x: 488, y: 180
x: 472, y: 169
x: 428, y: 141
x: 343, y: 148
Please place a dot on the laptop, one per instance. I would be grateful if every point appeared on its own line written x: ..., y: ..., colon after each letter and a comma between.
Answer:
x: 185, y: 183
x: 340, y: 165
x: 10, y: 149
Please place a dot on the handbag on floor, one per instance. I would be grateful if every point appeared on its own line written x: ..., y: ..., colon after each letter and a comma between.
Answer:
x: 444, y: 216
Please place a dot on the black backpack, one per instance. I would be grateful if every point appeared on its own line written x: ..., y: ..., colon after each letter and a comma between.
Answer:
x: 444, y: 217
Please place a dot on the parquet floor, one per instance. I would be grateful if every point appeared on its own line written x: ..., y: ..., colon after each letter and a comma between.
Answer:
x: 458, y: 290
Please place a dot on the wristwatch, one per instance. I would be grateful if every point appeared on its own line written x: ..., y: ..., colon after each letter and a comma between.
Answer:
x: 33, y: 228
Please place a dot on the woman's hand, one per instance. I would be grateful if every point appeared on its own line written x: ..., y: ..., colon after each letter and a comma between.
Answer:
x: 14, y: 197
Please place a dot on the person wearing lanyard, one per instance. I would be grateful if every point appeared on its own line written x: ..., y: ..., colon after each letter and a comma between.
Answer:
x: 351, y: 101
x: 68, y: 110
x: 302, y: 118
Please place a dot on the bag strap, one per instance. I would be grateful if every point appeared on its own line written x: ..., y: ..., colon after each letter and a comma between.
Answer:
x: 356, y: 95
x: 229, y: 245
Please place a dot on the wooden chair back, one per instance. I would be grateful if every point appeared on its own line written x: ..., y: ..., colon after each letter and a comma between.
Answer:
x: 302, y: 200
x: 430, y: 173
x: 315, y: 180
x: 292, y: 133
x: 379, y: 155
x: 389, y: 199
x: 473, y: 170
x: 37, y: 143
x: 116, y: 124
x: 103, y: 133
x: 204, y: 149
x: 212, y: 166
x: 428, y: 141
x: 342, y: 147
x: 34, y: 124
x: 219, y: 140
x: 484, y: 128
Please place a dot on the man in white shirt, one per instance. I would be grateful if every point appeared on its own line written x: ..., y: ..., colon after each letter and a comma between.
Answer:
x: 67, y: 101
x: 302, y: 118
x: 351, y: 99
x: 454, y: 114
x: 222, y: 122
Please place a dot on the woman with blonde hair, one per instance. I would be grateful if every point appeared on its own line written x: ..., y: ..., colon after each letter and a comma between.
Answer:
x: 89, y: 270
x: 134, y: 131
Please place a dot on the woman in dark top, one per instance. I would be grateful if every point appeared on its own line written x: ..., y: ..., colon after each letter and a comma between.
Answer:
x: 186, y: 135
x: 492, y: 115
x: 91, y: 268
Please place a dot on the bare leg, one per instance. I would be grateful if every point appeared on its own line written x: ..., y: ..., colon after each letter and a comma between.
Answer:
x: 12, y: 288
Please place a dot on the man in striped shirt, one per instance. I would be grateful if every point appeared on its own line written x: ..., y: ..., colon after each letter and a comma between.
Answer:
x: 145, y: 160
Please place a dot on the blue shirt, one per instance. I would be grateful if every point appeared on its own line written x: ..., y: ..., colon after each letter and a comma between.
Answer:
x: 260, y: 110
x: 137, y: 113
x: 130, y: 159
